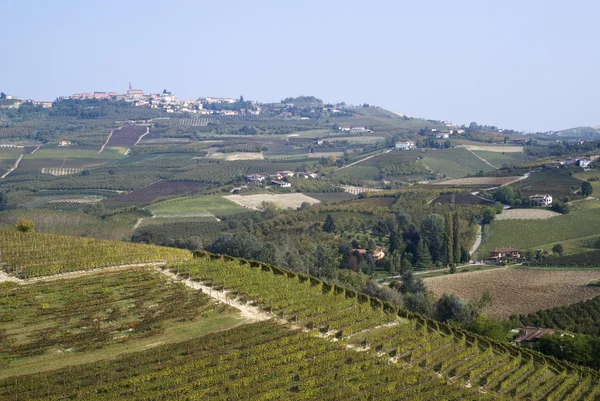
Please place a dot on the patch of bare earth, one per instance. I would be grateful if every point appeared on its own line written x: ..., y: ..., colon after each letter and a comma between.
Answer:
x: 526, y: 214
x: 237, y: 156
x: 519, y: 291
x: 284, y: 201
x: 317, y: 155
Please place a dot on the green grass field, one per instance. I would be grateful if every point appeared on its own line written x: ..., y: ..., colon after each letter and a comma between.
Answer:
x: 196, y: 205
x: 591, y: 174
x: 498, y: 159
x: 454, y: 163
x: 534, y: 234
x: 555, y: 182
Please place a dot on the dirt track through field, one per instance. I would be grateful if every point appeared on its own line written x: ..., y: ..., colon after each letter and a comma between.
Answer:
x: 482, y: 159
x: 5, y: 277
x: 107, y: 139
x: 251, y: 313
x: 13, y: 167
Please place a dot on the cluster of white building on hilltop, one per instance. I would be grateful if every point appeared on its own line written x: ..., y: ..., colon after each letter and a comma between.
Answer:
x: 165, y: 100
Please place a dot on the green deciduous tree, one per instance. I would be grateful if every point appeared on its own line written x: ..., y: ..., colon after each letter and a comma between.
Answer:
x: 488, y: 215
x: 24, y: 225
x: 450, y: 307
x: 558, y: 248
x: 586, y: 188
x: 325, y: 262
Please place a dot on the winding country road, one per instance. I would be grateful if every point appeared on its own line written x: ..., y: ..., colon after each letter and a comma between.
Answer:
x: 13, y: 167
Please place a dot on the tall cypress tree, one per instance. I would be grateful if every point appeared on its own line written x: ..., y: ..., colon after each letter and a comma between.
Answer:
x: 449, y: 241
x: 457, y: 242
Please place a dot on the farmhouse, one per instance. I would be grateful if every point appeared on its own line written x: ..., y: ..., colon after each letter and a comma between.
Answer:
x: 64, y: 143
x: 281, y: 184
x: 499, y: 254
x: 378, y: 254
x: 255, y: 178
x: 344, y: 128
x: 405, y: 145
x: 583, y: 162
x: 532, y: 335
x: 541, y: 200
x: 359, y: 129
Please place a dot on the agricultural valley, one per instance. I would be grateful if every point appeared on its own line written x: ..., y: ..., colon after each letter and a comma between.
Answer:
x: 225, y: 249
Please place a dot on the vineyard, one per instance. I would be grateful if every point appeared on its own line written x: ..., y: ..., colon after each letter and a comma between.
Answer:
x: 95, y: 311
x: 60, y: 171
x: 33, y: 254
x: 323, y: 342
x: 60, y: 202
x: 364, y: 323
x: 262, y: 361
x: 196, y: 121
x: 584, y: 259
x: 126, y: 136
x: 581, y: 317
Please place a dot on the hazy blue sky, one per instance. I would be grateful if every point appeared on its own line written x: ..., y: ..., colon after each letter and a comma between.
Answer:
x: 527, y: 65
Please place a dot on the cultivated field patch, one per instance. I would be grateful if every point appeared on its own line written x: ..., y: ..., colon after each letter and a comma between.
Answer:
x: 316, y: 155
x: 462, y: 199
x: 79, y: 317
x: 530, y: 234
x: 161, y: 189
x: 237, y: 156
x: 284, y: 201
x: 478, y: 181
x: 499, y: 149
x: 195, y: 206
x: 359, y: 190
x: 357, y: 139
x: 127, y: 136
x: 519, y: 291
x: 526, y: 214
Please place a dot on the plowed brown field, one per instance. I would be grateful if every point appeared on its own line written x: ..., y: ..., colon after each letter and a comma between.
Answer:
x: 517, y: 291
